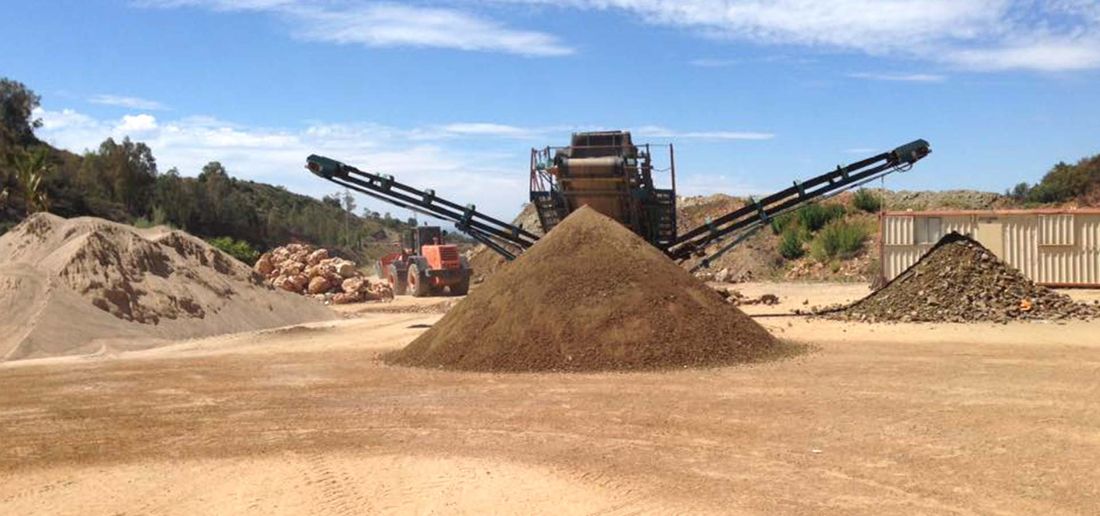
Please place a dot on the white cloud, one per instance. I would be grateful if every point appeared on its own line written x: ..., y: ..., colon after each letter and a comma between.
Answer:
x: 383, y: 24
x: 990, y: 35
x: 489, y: 129
x: 137, y: 124
x: 899, y: 77
x: 984, y: 35
x: 127, y: 102
x: 1050, y: 56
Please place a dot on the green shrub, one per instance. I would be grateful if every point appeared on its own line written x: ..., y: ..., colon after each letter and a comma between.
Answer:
x: 782, y: 222
x: 867, y: 201
x: 238, y: 249
x: 791, y: 244
x: 813, y: 217
x: 839, y: 239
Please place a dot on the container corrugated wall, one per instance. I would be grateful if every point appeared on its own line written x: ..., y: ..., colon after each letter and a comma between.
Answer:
x: 898, y: 249
x: 963, y: 225
x: 1060, y: 248
x: 1068, y: 252
x: 1021, y: 238
x: 901, y: 248
x: 1090, y: 248
x: 897, y: 230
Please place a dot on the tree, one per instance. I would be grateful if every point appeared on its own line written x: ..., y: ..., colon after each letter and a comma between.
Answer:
x: 333, y: 200
x: 349, y: 202
x: 128, y: 170
x: 213, y: 171
x: 17, y: 105
x: 212, y: 193
x: 31, y: 167
x: 1020, y: 191
x: 349, y: 209
x: 175, y: 197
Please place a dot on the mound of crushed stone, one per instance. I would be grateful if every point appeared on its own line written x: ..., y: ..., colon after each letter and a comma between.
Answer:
x: 959, y: 280
x: 591, y: 295
x: 88, y: 285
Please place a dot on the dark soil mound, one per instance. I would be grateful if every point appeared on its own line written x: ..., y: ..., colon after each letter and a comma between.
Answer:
x: 959, y: 280
x: 591, y: 295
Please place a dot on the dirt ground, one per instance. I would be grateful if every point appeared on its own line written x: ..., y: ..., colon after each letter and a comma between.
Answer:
x: 861, y: 419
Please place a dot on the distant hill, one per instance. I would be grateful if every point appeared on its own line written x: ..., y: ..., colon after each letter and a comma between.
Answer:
x: 120, y: 181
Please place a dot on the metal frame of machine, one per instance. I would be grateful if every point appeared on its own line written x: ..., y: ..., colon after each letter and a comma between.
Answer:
x: 625, y: 169
x: 606, y: 171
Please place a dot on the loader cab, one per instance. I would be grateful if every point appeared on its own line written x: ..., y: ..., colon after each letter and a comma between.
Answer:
x: 420, y: 236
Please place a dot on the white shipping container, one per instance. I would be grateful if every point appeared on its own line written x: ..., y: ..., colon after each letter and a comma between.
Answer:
x: 1052, y: 247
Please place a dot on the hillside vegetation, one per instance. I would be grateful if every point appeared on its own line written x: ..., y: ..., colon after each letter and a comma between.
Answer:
x: 1077, y: 184
x: 120, y: 181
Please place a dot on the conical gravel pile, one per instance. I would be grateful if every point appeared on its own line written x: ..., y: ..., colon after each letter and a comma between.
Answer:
x: 959, y: 280
x: 591, y: 295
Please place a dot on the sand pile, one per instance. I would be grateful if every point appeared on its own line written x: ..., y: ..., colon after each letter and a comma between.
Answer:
x: 959, y: 280
x: 590, y: 295
x: 84, y: 285
x: 307, y: 270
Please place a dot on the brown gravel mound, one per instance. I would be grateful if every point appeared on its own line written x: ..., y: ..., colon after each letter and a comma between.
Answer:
x: 87, y: 285
x: 959, y: 280
x: 591, y: 295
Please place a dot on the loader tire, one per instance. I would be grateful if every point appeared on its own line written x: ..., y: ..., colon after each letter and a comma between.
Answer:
x: 462, y: 287
x: 397, y: 281
x: 418, y: 283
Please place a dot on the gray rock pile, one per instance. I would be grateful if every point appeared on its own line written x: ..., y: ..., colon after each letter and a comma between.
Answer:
x: 959, y: 280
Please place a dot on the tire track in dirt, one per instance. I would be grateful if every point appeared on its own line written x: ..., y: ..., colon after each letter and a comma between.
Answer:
x: 337, y: 487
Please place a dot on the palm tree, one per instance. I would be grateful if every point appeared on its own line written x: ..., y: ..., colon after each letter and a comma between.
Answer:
x: 31, y: 168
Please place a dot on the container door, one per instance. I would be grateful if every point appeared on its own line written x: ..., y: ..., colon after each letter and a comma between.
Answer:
x: 992, y: 236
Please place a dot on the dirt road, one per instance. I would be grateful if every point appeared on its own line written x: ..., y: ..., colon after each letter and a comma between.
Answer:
x: 870, y: 419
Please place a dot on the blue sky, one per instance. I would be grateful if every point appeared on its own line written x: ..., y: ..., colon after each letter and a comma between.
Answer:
x: 453, y: 94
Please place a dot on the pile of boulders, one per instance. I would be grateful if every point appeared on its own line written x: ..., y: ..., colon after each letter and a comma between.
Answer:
x: 307, y: 270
